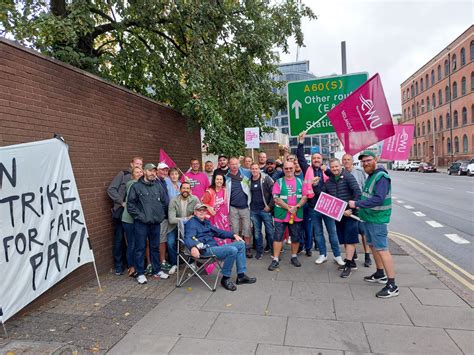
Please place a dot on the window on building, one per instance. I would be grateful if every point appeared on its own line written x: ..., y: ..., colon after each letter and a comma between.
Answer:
x: 429, y: 126
x: 284, y: 111
x: 454, y: 62
x: 404, y: 113
x: 472, y: 114
x: 455, y: 118
x: 448, y: 121
x: 423, y: 149
x: 417, y: 108
x: 463, y: 56
x: 276, y: 122
x: 432, y: 77
x: 439, y: 72
x: 413, y: 153
x: 409, y: 112
x: 416, y: 88
x: 412, y: 110
x: 408, y: 93
x: 463, y: 86
x: 472, y: 50
x: 422, y: 105
x: 447, y: 94
x: 418, y: 129
x: 472, y: 81
x: 422, y: 84
x: 412, y: 91
x: 455, y: 90
x: 446, y: 68
x: 315, y: 141
x: 465, y: 146
x: 428, y: 107
x: 293, y: 141
x: 285, y: 130
x: 427, y: 82
x: 449, y: 145
x: 440, y: 97
x: 423, y: 132
x: 284, y: 121
x: 434, y: 124
x: 456, y: 144
x: 440, y: 123
x: 419, y: 150
x: 464, y: 115
x: 433, y: 99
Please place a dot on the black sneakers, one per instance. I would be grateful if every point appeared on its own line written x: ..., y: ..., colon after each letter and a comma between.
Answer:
x: 390, y: 290
x: 295, y: 262
x: 376, y: 278
x: 347, y: 271
x: 274, y: 265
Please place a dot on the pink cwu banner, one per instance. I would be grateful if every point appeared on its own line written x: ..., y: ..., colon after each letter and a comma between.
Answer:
x: 165, y: 158
x: 397, y: 147
x: 330, y: 206
x: 363, y: 118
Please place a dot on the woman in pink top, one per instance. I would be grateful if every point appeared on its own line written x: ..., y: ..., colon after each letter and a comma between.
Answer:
x: 215, y: 200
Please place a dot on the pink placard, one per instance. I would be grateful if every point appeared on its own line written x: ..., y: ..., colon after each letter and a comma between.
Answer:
x: 363, y: 118
x: 330, y: 206
x: 397, y: 147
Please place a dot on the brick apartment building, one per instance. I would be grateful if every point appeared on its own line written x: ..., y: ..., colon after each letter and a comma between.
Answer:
x: 439, y: 100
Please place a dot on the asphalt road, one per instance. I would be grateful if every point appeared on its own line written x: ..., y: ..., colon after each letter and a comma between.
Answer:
x: 438, y: 210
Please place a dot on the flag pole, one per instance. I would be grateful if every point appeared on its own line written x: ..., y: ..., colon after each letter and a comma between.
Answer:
x: 97, y: 274
x: 315, y: 123
x: 5, y: 330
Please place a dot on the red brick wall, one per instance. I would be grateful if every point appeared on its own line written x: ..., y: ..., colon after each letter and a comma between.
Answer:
x: 104, y: 126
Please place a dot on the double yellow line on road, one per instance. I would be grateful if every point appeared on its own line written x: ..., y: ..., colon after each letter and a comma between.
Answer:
x: 438, y: 259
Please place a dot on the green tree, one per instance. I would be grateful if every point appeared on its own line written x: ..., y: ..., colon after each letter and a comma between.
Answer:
x: 212, y: 60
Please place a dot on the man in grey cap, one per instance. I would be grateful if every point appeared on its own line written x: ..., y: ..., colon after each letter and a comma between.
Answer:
x: 199, y: 238
x: 146, y: 204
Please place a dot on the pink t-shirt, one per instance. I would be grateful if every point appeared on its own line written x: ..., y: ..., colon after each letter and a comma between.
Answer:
x: 199, y: 183
x: 291, y: 187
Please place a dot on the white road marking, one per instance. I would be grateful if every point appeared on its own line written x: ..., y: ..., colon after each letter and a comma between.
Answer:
x: 408, y: 207
x: 434, y: 224
x: 400, y: 201
x: 457, y: 239
x: 419, y: 214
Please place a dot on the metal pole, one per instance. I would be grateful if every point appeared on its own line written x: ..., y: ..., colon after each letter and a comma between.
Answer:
x: 343, y: 57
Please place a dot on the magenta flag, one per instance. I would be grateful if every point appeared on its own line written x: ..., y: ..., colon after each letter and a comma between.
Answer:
x: 397, y: 147
x: 165, y: 158
x: 363, y: 118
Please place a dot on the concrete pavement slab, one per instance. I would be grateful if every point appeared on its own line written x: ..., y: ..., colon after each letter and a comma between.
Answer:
x: 249, y: 328
x: 409, y: 339
x: 247, y: 299
x: 436, y: 297
x: 145, y: 344
x: 266, y: 349
x: 308, y: 307
x: 211, y: 346
x: 373, y: 311
x: 312, y: 274
x: 368, y: 290
x: 326, y: 334
x: 321, y: 290
x: 176, y: 322
x: 441, y: 317
x: 414, y: 280
x: 273, y: 287
x: 187, y: 298
x: 463, y: 339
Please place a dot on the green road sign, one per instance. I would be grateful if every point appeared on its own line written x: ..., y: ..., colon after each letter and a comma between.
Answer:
x: 310, y: 100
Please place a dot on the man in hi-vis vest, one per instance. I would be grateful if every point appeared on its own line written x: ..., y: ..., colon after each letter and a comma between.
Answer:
x: 289, y: 200
x: 375, y: 208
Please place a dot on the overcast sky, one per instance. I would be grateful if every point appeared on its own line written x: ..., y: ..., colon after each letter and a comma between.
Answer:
x: 392, y: 37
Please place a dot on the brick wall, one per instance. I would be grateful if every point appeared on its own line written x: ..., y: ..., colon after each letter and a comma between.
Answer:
x: 104, y: 126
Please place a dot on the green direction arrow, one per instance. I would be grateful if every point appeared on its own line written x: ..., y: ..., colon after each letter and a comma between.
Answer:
x: 310, y: 100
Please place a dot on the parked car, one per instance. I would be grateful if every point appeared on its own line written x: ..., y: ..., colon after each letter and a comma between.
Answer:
x: 427, y: 168
x: 400, y: 165
x: 470, y: 167
x: 412, y: 166
x: 458, y: 167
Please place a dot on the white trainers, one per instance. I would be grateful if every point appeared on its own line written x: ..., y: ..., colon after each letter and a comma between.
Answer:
x: 172, y: 270
x: 339, y: 261
x: 321, y: 259
x: 161, y: 275
x: 141, y: 279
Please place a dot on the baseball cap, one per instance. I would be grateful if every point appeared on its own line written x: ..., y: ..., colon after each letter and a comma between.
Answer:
x: 270, y: 161
x: 149, y: 166
x: 222, y: 156
x: 163, y: 166
x: 367, y: 153
x: 199, y: 206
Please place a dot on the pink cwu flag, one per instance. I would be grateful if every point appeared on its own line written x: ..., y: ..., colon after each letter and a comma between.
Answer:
x: 165, y: 158
x: 398, y: 146
x: 363, y: 118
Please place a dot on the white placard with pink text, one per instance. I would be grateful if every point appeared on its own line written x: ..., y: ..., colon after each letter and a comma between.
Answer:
x: 330, y: 206
x: 252, y: 138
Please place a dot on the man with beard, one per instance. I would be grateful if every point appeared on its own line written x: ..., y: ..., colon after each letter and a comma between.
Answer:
x: 271, y: 169
x: 222, y: 166
x: 197, y: 179
x: 375, y: 208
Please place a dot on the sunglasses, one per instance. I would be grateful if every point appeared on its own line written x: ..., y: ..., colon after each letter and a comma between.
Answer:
x: 288, y: 168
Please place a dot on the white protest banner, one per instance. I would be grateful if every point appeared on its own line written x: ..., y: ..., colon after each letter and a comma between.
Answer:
x: 43, y: 234
x: 252, y: 138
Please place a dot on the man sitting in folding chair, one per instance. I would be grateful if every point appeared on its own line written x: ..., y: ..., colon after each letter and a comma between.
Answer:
x: 198, y: 237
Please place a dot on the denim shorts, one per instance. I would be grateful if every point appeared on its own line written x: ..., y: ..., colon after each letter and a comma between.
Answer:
x: 361, y: 228
x: 295, y: 230
x: 376, y: 235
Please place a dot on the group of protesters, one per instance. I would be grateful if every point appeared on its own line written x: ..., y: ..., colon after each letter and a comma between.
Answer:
x: 260, y: 204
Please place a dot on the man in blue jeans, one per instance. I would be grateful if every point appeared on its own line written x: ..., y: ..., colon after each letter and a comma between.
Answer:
x: 199, y: 238
x: 146, y: 204
x: 261, y: 207
x: 316, y: 217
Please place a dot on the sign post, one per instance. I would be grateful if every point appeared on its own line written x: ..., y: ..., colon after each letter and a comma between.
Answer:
x: 310, y: 100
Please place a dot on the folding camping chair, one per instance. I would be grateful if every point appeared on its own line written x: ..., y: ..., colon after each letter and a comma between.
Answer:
x: 191, y: 263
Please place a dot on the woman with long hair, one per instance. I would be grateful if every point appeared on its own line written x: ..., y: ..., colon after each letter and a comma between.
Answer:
x: 215, y: 200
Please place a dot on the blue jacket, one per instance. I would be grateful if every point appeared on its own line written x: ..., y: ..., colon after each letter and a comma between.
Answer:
x: 197, y: 231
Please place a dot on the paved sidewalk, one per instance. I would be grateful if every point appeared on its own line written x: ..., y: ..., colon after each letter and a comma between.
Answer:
x: 307, y: 310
